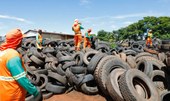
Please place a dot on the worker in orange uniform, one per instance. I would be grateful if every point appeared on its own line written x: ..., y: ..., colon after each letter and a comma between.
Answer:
x: 39, y: 39
x: 149, y: 39
x: 87, y: 39
x: 13, y: 80
x: 77, y: 27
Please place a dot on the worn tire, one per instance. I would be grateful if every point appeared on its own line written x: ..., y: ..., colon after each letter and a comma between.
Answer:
x: 127, y: 82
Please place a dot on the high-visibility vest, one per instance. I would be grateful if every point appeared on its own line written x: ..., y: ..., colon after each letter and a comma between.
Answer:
x: 150, y: 35
x: 76, y: 29
x: 10, y: 90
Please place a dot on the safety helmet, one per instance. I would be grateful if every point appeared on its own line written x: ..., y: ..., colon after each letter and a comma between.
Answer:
x: 89, y: 30
x: 150, y: 30
x: 76, y: 20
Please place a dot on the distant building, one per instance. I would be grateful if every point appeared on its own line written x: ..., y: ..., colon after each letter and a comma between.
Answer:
x: 50, y: 35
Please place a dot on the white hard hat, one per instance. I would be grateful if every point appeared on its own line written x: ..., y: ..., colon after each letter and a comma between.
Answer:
x: 76, y: 20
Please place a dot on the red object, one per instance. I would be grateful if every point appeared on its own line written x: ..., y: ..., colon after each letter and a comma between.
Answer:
x: 89, y: 30
x: 13, y: 39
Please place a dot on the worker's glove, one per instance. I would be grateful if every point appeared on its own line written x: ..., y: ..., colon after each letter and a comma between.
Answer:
x: 39, y: 96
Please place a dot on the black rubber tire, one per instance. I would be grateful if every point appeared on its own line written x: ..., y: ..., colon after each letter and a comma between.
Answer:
x: 159, y: 79
x: 145, y: 66
x: 78, y: 58
x: 165, y: 41
x: 130, y: 52
x: 68, y: 64
x: 88, y: 89
x: 101, y: 62
x: 113, y: 86
x: 37, y: 61
x: 127, y: 82
x: 106, y: 69
x: 165, y: 47
x: 46, y: 94
x: 123, y: 56
x: 162, y: 56
x: 59, y: 70
x: 58, y: 77
x: 131, y: 61
x: 142, y: 54
x: 94, y: 61
x: 65, y: 58
x: 165, y: 96
x: 157, y: 64
x: 78, y: 70
x: 88, y: 56
x: 55, y: 88
x: 43, y: 81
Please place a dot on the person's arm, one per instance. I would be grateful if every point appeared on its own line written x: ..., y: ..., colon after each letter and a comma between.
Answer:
x: 81, y: 27
x: 72, y: 29
x: 17, y: 71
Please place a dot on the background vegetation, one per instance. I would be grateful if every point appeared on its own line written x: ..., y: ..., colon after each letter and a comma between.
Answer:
x: 159, y: 25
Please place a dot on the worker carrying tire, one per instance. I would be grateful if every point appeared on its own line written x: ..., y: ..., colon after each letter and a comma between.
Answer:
x: 77, y: 27
x: 87, y: 39
x: 149, y: 39
x: 13, y: 80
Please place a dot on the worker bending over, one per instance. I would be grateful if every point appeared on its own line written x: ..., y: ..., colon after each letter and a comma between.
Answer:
x: 87, y: 39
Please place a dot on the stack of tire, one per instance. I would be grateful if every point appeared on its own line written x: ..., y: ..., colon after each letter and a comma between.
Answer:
x: 124, y: 73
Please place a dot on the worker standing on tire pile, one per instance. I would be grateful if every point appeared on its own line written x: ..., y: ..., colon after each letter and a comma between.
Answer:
x: 13, y: 80
x: 39, y: 39
x: 87, y: 39
x: 149, y: 39
x: 77, y: 27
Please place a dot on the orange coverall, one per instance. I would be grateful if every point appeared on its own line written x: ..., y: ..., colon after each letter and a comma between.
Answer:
x: 78, y: 35
x: 149, y: 39
x: 87, y: 42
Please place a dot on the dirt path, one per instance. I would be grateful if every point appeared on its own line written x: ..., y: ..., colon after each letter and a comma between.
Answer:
x: 76, y: 96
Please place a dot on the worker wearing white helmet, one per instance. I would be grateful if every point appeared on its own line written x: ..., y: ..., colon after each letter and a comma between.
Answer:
x: 78, y: 35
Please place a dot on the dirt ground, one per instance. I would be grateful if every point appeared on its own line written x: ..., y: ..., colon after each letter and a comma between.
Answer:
x: 75, y: 96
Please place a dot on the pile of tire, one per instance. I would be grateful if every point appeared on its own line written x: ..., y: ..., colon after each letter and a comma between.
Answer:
x: 130, y: 73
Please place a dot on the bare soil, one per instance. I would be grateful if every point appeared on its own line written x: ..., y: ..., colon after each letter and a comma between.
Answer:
x: 76, y: 96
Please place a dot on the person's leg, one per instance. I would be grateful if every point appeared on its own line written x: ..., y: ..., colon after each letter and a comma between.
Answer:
x: 79, y: 42
x: 150, y: 42
x: 75, y: 41
x: 147, y: 42
x: 85, y: 43
x: 88, y: 44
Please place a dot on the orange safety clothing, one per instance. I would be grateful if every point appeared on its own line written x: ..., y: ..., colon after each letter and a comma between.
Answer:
x: 13, y: 81
x: 87, y: 41
x: 149, y: 39
x: 39, y: 41
x: 10, y: 89
x: 13, y: 39
x: 78, y: 35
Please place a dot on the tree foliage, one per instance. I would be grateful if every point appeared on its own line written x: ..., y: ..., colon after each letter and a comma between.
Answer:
x: 159, y: 25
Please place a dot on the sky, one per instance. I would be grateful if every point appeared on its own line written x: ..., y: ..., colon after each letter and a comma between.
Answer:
x: 59, y: 15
